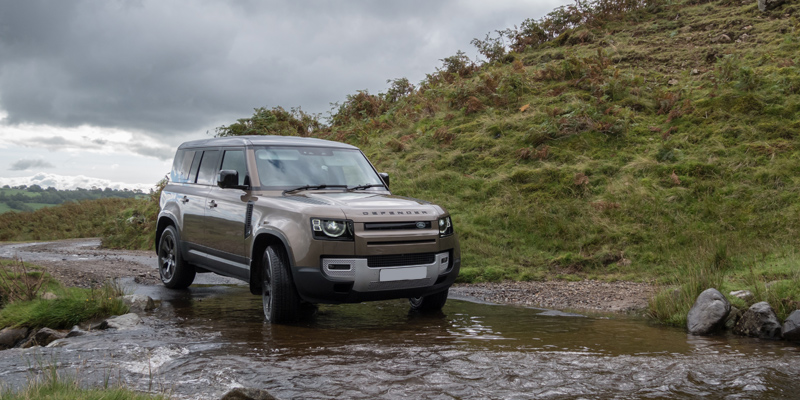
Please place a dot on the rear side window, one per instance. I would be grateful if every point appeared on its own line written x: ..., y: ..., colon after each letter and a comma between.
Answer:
x: 181, y: 166
x: 208, y: 167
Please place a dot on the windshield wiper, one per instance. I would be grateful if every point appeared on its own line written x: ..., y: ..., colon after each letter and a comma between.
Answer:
x: 313, y: 187
x: 367, y: 186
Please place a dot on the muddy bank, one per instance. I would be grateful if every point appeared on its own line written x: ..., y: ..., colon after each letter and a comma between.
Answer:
x: 81, y: 262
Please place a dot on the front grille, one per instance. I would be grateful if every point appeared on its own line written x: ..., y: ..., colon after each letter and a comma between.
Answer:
x: 387, y: 226
x: 399, y: 260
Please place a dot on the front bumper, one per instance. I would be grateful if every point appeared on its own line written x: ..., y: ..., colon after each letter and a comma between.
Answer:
x: 355, y: 279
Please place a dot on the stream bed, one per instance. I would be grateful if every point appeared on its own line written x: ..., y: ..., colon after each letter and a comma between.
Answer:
x: 204, y: 341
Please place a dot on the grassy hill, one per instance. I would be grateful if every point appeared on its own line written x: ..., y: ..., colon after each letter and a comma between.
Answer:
x: 614, y: 139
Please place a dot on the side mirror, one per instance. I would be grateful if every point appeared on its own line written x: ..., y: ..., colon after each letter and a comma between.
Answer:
x: 385, y: 177
x: 229, y: 179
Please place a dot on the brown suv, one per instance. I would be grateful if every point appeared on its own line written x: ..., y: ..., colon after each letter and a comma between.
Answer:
x: 303, y: 221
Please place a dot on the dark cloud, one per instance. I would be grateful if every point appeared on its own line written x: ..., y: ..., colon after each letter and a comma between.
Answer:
x: 22, y: 165
x: 166, y: 68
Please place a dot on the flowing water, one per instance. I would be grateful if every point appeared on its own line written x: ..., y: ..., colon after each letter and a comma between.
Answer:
x: 204, y: 341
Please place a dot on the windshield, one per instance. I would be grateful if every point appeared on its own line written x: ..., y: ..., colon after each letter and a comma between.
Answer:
x: 291, y: 167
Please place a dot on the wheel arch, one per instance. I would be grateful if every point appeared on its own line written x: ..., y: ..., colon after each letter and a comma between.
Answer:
x: 260, y: 244
x: 163, y: 222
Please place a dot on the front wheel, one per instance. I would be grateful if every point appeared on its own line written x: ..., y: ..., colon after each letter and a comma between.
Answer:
x: 175, y: 273
x: 429, y: 303
x: 279, y: 297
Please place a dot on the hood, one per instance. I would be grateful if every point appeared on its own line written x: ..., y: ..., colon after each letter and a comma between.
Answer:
x: 376, y: 206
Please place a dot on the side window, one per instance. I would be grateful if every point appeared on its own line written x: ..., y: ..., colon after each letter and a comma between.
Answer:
x: 234, y: 160
x: 208, y: 167
x: 181, y: 166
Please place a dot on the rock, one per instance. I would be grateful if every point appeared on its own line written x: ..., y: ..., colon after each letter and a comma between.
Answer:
x: 724, y: 38
x: 791, y: 327
x: 767, y: 5
x: 733, y: 317
x: 139, y: 303
x: 43, y: 337
x: 742, y: 294
x: 76, y: 331
x: 708, y: 312
x: 759, y: 321
x: 672, y: 82
x: 49, y: 296
x: 9, y: 337
x: 248, y: 394
x: 100, y: 326
x: 123, y: 322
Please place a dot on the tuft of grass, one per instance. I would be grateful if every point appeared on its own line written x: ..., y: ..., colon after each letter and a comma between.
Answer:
x: 56, y: 385
x: 71, y: 307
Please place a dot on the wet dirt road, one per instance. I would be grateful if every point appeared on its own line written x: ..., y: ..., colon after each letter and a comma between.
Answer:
x: 206, y: 340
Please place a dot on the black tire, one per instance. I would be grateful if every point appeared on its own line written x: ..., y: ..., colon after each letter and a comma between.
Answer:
x: 175, y: 273
x: 279, y: 298
x: 429, y: 303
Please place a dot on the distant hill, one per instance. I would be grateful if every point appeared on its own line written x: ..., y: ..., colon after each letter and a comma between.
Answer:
x: 612, y: 139
x: 31, y: 198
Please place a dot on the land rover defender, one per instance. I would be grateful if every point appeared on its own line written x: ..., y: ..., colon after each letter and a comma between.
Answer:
x: 302, y: 221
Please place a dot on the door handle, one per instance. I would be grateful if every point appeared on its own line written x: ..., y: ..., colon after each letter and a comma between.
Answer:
x: 212, y: 204
x: 184, y: 200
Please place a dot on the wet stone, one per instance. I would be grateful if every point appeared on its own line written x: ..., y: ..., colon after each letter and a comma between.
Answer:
x: 759, y: 321
x: 247, y: 394
x: 76, y: 331
x: 43, y: 337
x: 708, y: 312
x: 791, y: 327
x: 123, y: 322
x: 9, y: 337
x: 139, y: 303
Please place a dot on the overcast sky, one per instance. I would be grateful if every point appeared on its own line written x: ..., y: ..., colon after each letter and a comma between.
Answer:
x: 100, y: 92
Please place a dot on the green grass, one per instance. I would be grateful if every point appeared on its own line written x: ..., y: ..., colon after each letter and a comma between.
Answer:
x: 4, y: 208
x: 59, y: 386
x: 22, y: 305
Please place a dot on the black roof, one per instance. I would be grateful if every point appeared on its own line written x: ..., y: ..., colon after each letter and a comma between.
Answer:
x: 264, y: 140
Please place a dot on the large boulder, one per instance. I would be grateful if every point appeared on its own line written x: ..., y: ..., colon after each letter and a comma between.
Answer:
x: 708, y: 312
x: 9, y: 337
x: 767, y: 5
x: 759, y: 321
x: 791, y: 327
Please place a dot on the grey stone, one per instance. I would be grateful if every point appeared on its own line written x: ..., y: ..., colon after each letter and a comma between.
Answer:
x: 139, y: 303
x: 9, y: 337
x: 791, y: 327
x: 248, y: 394
x: 759, y: 321
x: 742, y: 294
x: 724, y: 38
x: 100, y: 326
x: 123, y: 322
x: 49, y: 296
x: 43, y: 337
x: 76, y: 331
x: 767, y: 5
x: 708, y: 312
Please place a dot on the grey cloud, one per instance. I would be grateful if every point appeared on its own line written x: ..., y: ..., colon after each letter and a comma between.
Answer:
x: 167, y: 68
x: 22, y: 165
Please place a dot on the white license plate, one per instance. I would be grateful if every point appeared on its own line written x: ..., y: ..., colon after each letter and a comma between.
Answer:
x: 403, y: 274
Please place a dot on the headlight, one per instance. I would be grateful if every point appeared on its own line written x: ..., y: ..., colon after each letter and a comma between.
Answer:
x: 445, y: 227
x: 332, y: 229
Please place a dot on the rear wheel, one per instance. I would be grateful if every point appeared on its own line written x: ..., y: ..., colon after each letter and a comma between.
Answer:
x: 279, y: 297
x: 429, y: 303
x: 175, y: 273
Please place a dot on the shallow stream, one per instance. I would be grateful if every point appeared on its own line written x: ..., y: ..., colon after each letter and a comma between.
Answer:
x: 206, y: 340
